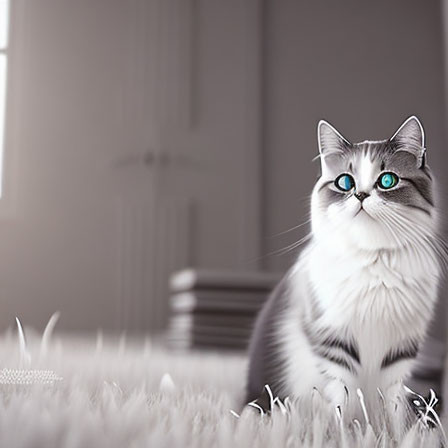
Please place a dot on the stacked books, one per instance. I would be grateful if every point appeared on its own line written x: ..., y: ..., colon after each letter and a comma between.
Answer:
x: 216, y: 309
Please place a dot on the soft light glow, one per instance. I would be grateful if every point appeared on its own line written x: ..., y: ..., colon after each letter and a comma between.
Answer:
x: 4, y: 32
x: 4, y: 23
x: 3, y: 73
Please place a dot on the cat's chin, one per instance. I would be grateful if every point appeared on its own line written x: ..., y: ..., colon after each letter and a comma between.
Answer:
x: 363, y: 232
x: 369, y: 235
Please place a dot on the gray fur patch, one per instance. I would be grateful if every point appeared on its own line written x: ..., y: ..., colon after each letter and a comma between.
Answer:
x: 266, y: 364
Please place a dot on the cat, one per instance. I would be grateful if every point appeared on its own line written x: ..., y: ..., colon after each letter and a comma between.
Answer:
x: 353, y: 310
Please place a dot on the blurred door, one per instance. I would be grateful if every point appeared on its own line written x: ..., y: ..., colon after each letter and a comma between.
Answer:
x: 133, y: 142
x: 192, y: 85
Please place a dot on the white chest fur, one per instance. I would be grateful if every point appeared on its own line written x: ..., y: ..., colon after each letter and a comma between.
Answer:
x: 379, y: 299
x: 388, y: 292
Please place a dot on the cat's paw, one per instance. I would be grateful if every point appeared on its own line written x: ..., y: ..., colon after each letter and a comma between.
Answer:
x: 336, y: 392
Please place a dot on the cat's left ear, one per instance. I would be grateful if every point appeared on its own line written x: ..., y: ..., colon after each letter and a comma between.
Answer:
x: 411, y: 136
x: 331, y: 143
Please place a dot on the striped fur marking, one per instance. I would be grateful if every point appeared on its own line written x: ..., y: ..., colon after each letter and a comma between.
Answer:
x: 400, y: 354
x: 325, y: 345
x: 334, y: 359
x: 347, y: 347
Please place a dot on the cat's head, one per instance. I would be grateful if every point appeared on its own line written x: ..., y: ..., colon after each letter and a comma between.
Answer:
x: 374, y: 194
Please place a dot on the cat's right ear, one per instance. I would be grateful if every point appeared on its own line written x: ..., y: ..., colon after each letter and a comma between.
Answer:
x: 330, y: 140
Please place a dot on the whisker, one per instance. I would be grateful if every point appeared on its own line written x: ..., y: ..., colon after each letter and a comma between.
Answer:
x: 292, y: 246
x: 291, y: 229
x: 419, y: 235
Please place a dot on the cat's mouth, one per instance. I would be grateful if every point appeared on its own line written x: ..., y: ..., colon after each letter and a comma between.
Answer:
x: 362, y: 211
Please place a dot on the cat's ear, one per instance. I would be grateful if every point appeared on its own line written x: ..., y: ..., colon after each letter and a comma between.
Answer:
x: 410, y: 132
x: 330, y: 140
x: 411, y: 136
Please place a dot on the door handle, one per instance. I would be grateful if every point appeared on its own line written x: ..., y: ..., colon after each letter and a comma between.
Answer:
x: 151, y: 158
x: 148, y: 158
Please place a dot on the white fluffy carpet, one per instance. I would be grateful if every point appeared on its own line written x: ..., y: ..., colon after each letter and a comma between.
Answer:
x: 112, y: 395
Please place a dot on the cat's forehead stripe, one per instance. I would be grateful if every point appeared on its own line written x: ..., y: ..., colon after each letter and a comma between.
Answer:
x: 376, y: 151
x: 366, y: 173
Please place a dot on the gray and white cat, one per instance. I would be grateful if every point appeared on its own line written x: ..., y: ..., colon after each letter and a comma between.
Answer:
x: 353, y: 310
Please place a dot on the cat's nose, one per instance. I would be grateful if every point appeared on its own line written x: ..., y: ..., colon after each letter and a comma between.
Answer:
x: 362, y: 195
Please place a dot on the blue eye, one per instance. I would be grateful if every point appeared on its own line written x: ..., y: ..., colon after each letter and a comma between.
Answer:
x: 344, y: 182
x: 387, y: 180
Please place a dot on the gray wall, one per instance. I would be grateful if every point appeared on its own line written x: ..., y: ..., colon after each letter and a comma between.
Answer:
x: 364, y: 66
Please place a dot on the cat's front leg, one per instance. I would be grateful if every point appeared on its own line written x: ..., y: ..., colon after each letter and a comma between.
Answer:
x: 394, y: 393
x: 395, y: 401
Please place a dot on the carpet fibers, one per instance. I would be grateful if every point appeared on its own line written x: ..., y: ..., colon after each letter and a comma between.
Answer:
x: 104, y: 393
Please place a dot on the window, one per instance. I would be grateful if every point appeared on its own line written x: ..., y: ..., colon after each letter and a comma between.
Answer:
x: 4, y: 32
